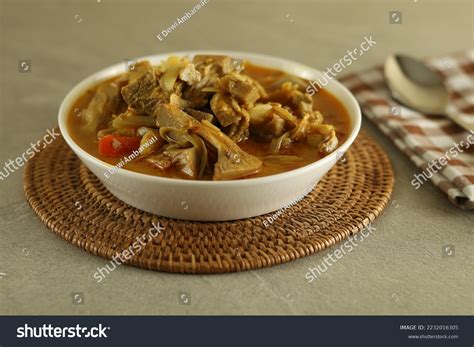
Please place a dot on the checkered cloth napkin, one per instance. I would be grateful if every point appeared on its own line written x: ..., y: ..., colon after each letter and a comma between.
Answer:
x: 442, y: 150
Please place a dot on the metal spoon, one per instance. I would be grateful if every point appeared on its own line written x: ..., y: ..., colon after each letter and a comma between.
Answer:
x: 415, y: 84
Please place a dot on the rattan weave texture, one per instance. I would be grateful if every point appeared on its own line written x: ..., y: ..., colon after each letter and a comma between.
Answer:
x: 73, y: 203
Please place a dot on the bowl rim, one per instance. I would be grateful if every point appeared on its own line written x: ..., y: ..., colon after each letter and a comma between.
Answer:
x: 114, y: 69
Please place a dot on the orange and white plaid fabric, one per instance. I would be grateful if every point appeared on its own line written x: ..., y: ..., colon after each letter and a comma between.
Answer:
x: 442, y: 150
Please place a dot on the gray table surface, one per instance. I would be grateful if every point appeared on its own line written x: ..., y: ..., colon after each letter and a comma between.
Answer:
x: 399, y: 269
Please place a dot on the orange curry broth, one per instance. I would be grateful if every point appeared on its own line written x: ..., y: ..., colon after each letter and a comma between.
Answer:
x: 331, y: 108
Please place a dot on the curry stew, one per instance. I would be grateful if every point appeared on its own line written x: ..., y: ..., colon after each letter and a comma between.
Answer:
x: 211, y: 118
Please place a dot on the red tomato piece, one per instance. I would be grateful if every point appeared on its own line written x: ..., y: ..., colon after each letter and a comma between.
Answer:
x: 118, y: 146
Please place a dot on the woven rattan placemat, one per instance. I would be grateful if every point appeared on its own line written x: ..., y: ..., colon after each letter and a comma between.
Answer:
x: 73, y: 203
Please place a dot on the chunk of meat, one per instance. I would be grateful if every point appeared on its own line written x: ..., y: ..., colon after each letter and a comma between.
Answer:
x: 273, y: 128
x: 195, y: 96
x: 271, y: 120
x: 260, y: 114
x: 226, y: 109
x: 221, y: 64
x: 329, y: 144
x: 212, y: 67
x: 168, y: 115
x: 229, y: 113
x: 241, y: 87
x: 323, y: 136
x: 290, y: 94
x: 103, y: 105
x: 143, y: 93
x: 190, y: 75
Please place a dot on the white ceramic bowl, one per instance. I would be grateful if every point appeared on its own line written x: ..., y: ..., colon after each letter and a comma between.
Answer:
x: 209, y: 200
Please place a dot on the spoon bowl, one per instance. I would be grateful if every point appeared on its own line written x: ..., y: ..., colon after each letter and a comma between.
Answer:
x: 416, y: 85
